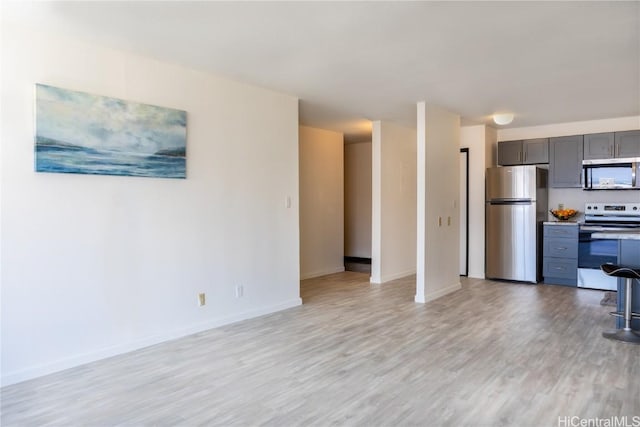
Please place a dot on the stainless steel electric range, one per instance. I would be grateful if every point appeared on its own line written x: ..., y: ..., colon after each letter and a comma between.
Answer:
x: 594, y: 252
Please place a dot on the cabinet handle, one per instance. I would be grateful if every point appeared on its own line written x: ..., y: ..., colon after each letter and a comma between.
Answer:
x: 617, y: 150
x: 558, y: 268
x: 525, y: 156
x: 561, y: 248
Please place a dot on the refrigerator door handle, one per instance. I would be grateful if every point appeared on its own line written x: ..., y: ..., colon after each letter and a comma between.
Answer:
x: 510, y: 202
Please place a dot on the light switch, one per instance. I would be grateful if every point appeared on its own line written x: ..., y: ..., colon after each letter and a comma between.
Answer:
x: 287, y: 202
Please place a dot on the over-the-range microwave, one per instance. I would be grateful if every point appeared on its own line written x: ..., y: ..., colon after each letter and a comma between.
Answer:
x: 611, y: 174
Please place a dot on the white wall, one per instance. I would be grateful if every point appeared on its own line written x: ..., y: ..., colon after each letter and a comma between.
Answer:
x: 94, y: 266
x: 438, y: 252
x: 575, y: 197
x: 393, y: 234
x: 570, y: 128
x: 357, y: 200
x: 491, y: 145
x: 321, y: 202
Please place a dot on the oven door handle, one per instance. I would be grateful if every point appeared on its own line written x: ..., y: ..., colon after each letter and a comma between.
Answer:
x: 596, y: 228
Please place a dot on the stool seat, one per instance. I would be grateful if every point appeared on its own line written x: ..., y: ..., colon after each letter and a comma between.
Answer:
x: 620, y: 271
x: 626, y: 334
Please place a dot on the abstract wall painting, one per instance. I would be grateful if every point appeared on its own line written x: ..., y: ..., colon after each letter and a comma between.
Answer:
x: 77, y: 132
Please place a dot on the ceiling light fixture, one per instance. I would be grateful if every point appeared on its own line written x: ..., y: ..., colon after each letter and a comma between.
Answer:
x: 503, y: 118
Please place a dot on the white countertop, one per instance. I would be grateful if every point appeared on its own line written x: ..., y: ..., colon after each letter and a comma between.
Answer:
x: 618, y: 234
x: 561, y: 223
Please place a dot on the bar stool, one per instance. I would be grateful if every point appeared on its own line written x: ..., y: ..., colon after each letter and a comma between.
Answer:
x: 625, y: 334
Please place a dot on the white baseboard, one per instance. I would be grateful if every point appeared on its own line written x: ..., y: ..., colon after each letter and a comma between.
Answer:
x: 430, y: 296
x: 390, y: 277
x: 322, y: 273
x: 81, y: 359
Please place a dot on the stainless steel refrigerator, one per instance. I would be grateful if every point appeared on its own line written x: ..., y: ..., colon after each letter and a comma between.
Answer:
x: 516, y: 207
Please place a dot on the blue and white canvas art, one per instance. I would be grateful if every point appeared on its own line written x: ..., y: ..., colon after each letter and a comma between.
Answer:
x: 77, y: 132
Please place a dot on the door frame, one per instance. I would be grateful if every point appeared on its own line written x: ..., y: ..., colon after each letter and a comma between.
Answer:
x: 466, y: 196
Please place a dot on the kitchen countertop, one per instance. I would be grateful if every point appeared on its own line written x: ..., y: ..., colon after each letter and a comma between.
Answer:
x: 561, y: 223
x: 618, y: 234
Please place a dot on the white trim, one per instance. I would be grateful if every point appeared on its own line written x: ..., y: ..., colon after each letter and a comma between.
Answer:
x: 390, y: 277
x: 421, y: 199
x: 438, y: 293
x: 322, y: 273
x: 376, y: 201
x: 81, y: 359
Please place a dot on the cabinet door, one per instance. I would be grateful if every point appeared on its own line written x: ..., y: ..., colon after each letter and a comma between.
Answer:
x: 568, y: 231
x: 564, y: 268
x: 560, y: 247
x: 565, y: 161
x: 627, y: 143
x: 536, y: 151
x: 598, y: 146
x: 510, y: 153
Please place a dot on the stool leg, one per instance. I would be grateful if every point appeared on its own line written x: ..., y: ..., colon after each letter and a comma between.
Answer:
x: 627, y: 303
x: 626, y: 334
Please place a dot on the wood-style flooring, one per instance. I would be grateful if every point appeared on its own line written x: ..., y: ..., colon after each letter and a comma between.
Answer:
x: 489, y: 354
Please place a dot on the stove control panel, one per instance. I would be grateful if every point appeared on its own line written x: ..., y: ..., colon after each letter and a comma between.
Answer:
x: 617, y: 209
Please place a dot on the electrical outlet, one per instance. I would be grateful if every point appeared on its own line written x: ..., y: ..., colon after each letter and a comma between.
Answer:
x: 201, y: 299
x: 239, y: 291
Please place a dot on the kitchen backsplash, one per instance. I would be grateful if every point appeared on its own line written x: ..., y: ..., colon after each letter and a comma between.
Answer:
x: 575, y: 198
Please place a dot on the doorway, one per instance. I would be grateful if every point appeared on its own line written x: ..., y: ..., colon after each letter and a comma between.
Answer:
x: 464, y: 211
x: 357, y: 206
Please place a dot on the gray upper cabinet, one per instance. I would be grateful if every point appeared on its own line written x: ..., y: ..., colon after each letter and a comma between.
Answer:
x: 565, y: 161
x: 510, y: 153
x: 527, y: 152
x: 612, y: 145
x: 599, y: 146
x: 627, y: 144
x: 535, y: 151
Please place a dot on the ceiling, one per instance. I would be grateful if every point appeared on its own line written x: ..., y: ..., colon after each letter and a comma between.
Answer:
x: 353, y: 62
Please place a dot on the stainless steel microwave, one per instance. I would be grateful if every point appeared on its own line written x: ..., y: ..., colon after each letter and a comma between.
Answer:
x: 611, y: 174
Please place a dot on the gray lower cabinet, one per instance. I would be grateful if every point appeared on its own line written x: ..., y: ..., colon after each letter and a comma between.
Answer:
x: 560, y: 254
x: 565, y: 161
x: 627, y: 144
x: 525, y: 152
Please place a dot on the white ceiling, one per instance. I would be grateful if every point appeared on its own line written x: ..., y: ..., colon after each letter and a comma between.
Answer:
x: 351, y: 62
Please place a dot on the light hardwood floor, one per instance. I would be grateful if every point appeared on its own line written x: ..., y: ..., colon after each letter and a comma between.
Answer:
x: 359, y: 354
